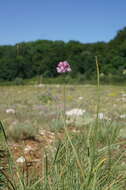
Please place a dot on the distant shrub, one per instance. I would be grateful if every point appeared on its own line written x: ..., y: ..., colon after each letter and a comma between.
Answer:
x: 45, y: 97
x: 18, y: 81
x: 57, y: 125
x: 113, y: 79
x: 21, y: 131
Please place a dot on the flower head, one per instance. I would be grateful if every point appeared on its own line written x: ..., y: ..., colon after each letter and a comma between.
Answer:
x: 63, y: 67
x: 75, y: 112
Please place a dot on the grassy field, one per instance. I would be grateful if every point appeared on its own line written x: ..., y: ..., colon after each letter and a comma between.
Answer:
x: 76, y: 141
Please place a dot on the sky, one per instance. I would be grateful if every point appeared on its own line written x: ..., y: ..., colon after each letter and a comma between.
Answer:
x: 87, y: 21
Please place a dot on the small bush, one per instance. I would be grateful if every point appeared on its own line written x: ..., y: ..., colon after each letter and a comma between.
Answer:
x: 21, y: 131
x: 18, y: 81
x: 45, y: 97
x: 57, y: 125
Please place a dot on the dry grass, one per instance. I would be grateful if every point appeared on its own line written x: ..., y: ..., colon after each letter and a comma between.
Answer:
x: 36, y: 111
x: 39, y: 105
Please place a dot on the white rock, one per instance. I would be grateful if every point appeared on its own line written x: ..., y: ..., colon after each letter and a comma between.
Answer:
x: 42, y: 132
x: 75, y: 131
x: 20, y: 159
x: 114, y: 105
x: 57, y: 86
x: 80, y: 98
x: 41, y: 85
x: 27, y: 149
x: 75, y: 112
x: 10, y: 110
x: 123, y: 99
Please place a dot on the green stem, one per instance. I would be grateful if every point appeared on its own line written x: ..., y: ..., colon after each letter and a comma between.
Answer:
x: 98, y: 90
x: 64, y: 103
x: 98, y: 72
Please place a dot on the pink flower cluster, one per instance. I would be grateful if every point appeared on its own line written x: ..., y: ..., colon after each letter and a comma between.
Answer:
x: 63, y: 67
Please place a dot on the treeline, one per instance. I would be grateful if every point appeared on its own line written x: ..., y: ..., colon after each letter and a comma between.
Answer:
x: 40, y: 58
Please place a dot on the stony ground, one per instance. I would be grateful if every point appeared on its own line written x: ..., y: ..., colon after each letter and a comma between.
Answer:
x: 33, y: 117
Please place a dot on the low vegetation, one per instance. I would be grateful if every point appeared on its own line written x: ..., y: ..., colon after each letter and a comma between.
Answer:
x: 42, y: 150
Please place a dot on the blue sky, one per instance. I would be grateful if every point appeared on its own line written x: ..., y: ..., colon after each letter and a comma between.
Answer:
x: 81, y: 20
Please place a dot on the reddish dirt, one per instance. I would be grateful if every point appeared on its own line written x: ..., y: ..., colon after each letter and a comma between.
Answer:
x: 34, y: 152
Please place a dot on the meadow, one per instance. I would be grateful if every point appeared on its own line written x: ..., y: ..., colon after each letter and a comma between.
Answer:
x: 68, y: 141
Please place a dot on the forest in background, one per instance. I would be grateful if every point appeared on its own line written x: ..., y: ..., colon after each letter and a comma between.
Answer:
x: 27, y: 60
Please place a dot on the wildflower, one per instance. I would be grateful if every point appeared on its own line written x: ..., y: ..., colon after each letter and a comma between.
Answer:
x: 100, y: 115
x: 63, y: 67
x: 10, y: 110
x: 75, y: 112
x: 27, y: 149
x: 123, y: 116
x: 20, y: 159
x: 124, y: 72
